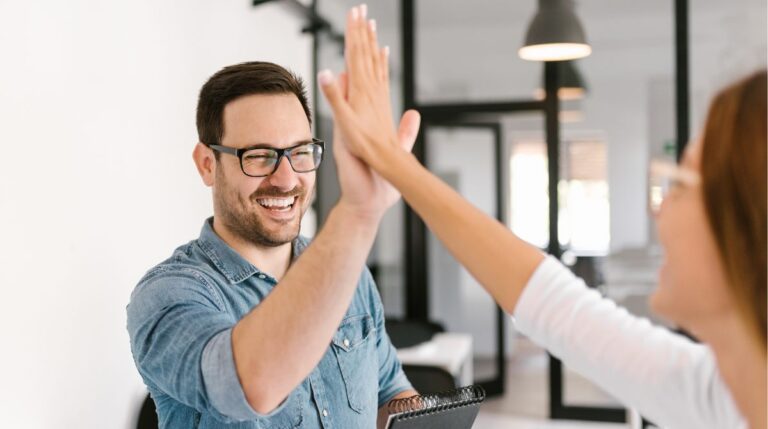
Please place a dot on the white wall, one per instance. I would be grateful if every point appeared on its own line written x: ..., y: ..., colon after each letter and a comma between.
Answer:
x: 97, y: 118
x: 727, y: 42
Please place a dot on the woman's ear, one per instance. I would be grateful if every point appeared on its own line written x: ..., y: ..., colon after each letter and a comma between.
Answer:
x: 205, y: 163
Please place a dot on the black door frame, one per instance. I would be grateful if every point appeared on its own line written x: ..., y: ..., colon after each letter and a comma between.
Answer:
x: 460, y: 115
x: 493, y: 386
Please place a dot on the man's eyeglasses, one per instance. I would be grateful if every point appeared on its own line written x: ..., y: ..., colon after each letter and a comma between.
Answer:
x: 259, y: 161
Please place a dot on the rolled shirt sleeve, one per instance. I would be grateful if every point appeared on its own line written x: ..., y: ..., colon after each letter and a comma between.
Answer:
x: 181, y: 340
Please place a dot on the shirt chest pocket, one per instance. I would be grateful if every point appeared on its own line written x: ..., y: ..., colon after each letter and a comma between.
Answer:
x: 354, y: 345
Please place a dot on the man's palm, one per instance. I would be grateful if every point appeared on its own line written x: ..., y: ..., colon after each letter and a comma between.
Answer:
x: 360, y: 185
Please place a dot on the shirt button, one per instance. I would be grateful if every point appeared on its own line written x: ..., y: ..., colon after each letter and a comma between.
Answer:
x: 325, y: 413
x: 346, y: 342
x: 262, y: 276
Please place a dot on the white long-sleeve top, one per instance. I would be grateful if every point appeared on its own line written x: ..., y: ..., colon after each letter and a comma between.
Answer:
x: 669, y: 379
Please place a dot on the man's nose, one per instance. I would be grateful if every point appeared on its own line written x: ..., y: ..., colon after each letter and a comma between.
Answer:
x: 284, y: 177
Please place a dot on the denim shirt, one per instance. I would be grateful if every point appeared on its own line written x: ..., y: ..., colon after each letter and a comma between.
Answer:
x: 180, y: 321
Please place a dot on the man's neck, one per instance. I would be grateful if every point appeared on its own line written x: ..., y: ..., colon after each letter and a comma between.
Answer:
x: 741, y: 360
x: 270, y: 260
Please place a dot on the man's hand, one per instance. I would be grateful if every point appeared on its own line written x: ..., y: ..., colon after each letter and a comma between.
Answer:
x: 383, y: 416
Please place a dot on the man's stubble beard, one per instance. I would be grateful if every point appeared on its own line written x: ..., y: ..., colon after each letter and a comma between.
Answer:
x: 241, y: 219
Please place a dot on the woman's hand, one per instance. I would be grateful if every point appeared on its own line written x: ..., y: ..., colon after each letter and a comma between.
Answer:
x: 360, y: 103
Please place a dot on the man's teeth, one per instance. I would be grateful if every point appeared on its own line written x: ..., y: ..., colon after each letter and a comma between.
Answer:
x: 277, y: 202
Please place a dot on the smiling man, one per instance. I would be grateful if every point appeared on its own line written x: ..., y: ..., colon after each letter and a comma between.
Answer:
x: 249, y: 326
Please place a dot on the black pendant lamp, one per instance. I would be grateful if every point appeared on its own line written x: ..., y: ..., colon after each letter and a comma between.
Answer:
x: 555, y: 34
x: 572, y: 85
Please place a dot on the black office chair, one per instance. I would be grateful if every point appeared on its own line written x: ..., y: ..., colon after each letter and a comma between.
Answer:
x: 147, y: 415
x: 408, y: 333
x: 429, y: 379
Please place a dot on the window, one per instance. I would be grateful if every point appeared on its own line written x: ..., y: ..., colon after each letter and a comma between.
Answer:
x: 584, y: 217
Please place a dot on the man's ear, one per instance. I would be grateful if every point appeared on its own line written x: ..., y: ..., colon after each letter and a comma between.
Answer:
x: 205, y: 163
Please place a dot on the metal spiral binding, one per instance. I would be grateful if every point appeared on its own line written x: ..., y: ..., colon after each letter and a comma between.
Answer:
x: 427, y: 404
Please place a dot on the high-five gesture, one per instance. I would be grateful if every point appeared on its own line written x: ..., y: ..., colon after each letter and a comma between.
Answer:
x: 362, y: 110
x: 362, y: 114
x: 363, y: 93
x: 361, y: 186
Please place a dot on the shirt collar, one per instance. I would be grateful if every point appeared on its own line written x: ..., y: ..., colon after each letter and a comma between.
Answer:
x: 234, y: 267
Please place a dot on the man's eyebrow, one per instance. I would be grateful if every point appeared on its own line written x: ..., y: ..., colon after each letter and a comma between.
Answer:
x: 271, y: 146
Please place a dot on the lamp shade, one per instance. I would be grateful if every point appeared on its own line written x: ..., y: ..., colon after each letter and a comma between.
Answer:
x: 555, y: 34
x: 572, y: 85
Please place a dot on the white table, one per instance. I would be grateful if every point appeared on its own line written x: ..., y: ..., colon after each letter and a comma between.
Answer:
x: 449, y: 350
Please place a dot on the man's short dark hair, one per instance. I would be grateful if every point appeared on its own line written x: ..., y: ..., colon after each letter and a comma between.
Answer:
x: 239, y: 80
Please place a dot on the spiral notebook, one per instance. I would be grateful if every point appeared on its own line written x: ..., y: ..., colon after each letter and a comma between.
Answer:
x: 454, y: 409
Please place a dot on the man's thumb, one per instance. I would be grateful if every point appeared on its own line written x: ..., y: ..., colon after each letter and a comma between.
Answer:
x: 331, y: 90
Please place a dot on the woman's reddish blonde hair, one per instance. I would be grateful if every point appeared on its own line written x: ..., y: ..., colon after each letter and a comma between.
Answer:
x: 733, y: 166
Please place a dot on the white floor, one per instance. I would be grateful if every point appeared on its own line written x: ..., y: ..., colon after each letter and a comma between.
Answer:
x: 489, y: 420
x: 526, y: 401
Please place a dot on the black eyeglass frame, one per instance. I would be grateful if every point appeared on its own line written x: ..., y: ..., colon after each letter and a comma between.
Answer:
x: 285, y: 152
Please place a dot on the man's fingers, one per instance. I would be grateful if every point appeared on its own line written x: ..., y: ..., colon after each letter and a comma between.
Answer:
x: 344, y: 85
x: 408, y: 129
x: 384, y: 64
x: 333, y: 92
x: 343, y: 117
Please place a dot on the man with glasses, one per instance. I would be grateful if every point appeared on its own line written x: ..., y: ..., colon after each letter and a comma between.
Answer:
x: 249, y: 326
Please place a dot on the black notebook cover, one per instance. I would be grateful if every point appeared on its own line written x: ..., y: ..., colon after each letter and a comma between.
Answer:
x: 454, y: 409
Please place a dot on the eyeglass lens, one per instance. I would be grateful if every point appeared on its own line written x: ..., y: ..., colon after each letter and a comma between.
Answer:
x: 261, y: 162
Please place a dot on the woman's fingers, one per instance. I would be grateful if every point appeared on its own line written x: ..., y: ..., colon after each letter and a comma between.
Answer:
x: 367, y: 34
x: 364, y: 58
x: 373, y: 51
x: 354, y: 45
x: 360, y: 101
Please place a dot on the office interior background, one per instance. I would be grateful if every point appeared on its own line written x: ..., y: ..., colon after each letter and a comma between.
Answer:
x: 97, y: 108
